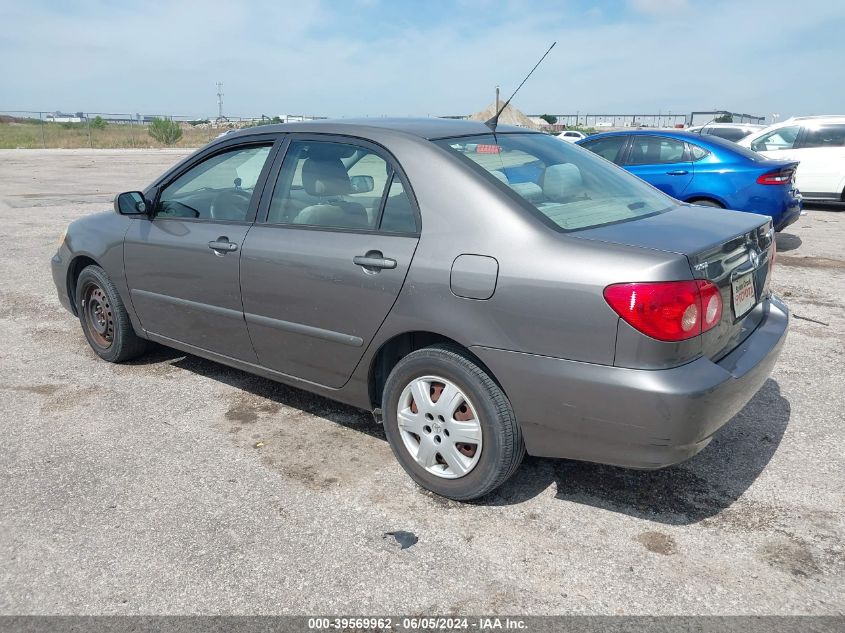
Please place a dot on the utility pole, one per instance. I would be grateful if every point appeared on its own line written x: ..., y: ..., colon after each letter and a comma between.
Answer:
x: 497, y: 99
x: 219, y: 100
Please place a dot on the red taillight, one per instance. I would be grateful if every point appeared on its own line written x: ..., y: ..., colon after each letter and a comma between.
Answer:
x: 667, y: 310
x: 778, y: 177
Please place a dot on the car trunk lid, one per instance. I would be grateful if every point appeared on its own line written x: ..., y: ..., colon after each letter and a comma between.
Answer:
x: 733, y: 251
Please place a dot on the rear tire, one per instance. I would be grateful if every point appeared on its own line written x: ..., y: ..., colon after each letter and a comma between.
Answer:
x: 707, y: 203
x: 104, y: 319
x: 428, y: 443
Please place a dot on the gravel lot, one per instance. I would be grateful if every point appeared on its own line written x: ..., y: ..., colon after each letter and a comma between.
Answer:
x: 175, y: 485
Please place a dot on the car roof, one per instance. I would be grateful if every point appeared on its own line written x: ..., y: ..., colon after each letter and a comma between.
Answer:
x: 732, y: 125
x: 652, y: 131
x: 426, y: 128
x: 816, y: 117
x: 708, y: 141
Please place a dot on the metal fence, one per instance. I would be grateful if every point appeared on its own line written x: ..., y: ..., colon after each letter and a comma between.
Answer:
x: 28, y: 129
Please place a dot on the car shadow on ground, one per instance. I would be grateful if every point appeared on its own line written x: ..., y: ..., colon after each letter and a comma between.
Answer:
x: 284, y: 395
x: 787, y: 242
x: 686, y: 493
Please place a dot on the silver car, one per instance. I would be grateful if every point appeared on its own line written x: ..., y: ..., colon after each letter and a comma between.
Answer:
x: 484, y: 295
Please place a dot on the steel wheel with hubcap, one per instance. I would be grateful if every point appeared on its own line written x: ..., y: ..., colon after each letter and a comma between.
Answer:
x: 449, y: 424
x: 439, y: 427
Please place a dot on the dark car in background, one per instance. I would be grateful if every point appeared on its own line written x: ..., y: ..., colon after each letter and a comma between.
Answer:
x: 482, y: 294
x: 705, y: 170
x: 728, y: 131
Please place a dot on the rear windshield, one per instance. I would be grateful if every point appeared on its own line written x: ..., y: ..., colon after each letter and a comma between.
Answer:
x: 569, y: 186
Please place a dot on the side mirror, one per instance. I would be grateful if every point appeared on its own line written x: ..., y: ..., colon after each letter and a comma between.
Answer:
x: 130, y: 203
x: 362, y: 184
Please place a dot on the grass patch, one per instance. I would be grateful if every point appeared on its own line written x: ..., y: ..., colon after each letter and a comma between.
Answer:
x: 30, y: 134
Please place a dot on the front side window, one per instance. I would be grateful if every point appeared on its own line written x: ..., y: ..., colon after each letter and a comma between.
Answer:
x: 219, y: 188
x: 825, y: 136
x: 569, y: 187
x: 655, y: 150
x: 609, y: 147
x: 339, y: 185
x: 782, y: 138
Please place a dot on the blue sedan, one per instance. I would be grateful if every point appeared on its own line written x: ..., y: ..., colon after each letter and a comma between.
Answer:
x: 705, y: 170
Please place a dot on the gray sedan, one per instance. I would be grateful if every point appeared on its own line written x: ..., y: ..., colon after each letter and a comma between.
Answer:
x: 483, y: 294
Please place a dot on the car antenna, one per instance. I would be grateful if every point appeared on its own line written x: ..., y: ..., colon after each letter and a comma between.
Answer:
x: 493, y: 122
x: 701, y: 129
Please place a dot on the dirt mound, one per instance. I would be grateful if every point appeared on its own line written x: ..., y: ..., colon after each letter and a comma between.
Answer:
x: 509, y: 116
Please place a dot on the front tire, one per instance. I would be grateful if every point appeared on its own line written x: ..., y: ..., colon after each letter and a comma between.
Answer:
x: 449, y: 424
x: 104, y: 319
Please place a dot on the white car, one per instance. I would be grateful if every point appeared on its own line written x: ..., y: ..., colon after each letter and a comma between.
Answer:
x: 571, y: 135
x: 818, y: 142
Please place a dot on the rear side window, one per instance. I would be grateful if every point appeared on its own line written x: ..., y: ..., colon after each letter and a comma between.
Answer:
x: 781, y: 138
x: 568, y: 188
x: 697, y: 152
x: 655, y: 150
x: 398, y: 215
x: 339, y: 185
x: 609, y: 148
x: 830, y: 135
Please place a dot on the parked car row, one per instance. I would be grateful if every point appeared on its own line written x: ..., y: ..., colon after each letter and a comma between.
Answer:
x: 741, y: 166
x: 705, y: 170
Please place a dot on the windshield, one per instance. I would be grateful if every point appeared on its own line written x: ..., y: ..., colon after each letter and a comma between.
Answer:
x: 571, y: 187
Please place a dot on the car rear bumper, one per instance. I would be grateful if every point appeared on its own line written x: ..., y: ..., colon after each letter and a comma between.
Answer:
x: 791, y: 212
x: 628, y: 417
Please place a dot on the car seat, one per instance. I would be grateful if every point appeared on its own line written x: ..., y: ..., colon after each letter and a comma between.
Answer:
x: 562, y: 183
x: 325, y: 177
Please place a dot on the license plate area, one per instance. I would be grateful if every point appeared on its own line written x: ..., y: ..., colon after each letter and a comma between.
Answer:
x: 744, y: 296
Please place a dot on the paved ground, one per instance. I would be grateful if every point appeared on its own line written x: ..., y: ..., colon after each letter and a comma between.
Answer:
x: 175, y: 485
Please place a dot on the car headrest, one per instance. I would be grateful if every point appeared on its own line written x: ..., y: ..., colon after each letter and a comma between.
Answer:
x: 325, y: 177
x: 500, y: 175
x: 561, y: 182
x: 329, y: 151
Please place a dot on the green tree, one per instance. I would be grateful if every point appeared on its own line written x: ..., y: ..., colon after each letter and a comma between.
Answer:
x: 165, y: 131
x: 551, y: 119
x: 724, y: 118
x: 98, y: 123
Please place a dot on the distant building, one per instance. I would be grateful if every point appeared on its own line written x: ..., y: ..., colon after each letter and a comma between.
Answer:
x: 60, y: 117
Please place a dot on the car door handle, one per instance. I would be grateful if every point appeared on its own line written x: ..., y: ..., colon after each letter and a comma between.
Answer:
x: 677, y: 172
x: 371, y: 260
x: 222, y: 245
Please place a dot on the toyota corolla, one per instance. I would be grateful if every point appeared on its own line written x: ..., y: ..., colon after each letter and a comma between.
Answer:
x: 484, y: 293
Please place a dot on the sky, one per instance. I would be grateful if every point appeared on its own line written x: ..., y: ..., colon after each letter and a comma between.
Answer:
x: 422, y: 58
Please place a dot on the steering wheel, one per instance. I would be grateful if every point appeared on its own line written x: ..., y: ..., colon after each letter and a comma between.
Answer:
x: 230, y: 205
